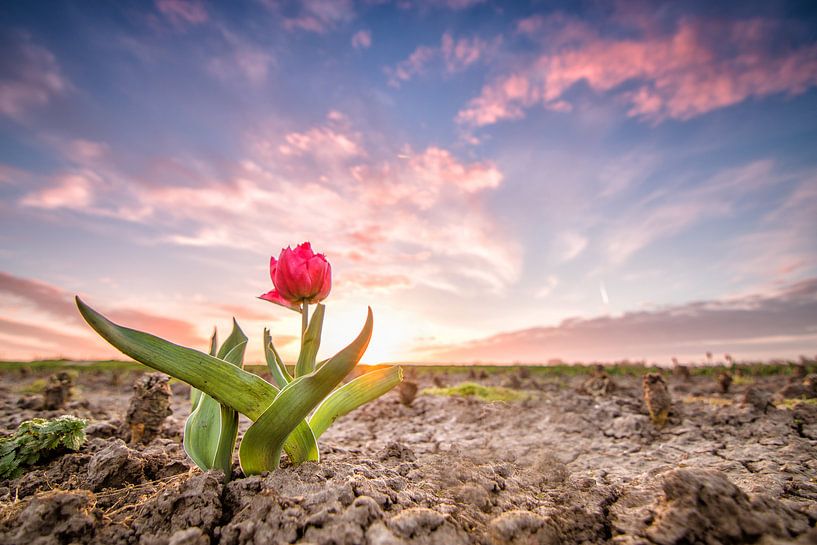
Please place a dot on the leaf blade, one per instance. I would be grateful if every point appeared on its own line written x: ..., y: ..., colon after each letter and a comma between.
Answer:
x: 311, y: 343
x: 352, y: 395
x: 274, y: 362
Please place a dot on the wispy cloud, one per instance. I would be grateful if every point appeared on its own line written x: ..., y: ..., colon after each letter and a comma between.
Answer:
x: 362, y: 39
x: 317, y: 16
x: 382, y: 208
x: 180, y: 12
x: 781, y: 323
x: 33, y: 80
x: 698, y: 66
x: 663, y: 214
x: 67, y: 191
x: 40, y: 297
x: 456, y: 54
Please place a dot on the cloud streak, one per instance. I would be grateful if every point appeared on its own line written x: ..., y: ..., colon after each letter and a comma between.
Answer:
x: 40, y: 297
x: 780, y: 323
x: 32, y: 80
x: 455, y: 54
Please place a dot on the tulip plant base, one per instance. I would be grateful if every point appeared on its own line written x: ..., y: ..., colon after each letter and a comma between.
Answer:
x: 559, y: 466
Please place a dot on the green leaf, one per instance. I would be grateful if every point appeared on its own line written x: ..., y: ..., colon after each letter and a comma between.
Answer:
x: 310, y: 343
x: 235, y: 339
x: 223, y: 459
x: 274, y: 362
x: 244, y: 392
x: 195, y: 393
x: 260, y: 450
x: 352, y: 395
x: 211, y: 429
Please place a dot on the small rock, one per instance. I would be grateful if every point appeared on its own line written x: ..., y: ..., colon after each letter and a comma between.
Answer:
x: 628, y: 425
x: 598, y: 384
x: 757, y: 398
x: 54, y: 518
x: 416, y: 521
x: 703, y: 506
x: 471, y: 494
x: 114, y: 467
x: 378, y: 534
x: 522, y: 528
x: 396, y: 451
x: 33, y: 402
x: 190, y: 536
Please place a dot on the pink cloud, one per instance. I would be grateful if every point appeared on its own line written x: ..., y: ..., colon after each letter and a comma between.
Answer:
x: 242, y: 59
x: 29, y: 340
x: 318, y: 15
x: 415, y: 64
x: 454, y: 5
x: 456, y: 54
x: 67, y: 191
x: 40, y: 297
x: 461, y: 53
x: 257, y: 214
x: 762, y: 325
x: 698, y: 67
x: 323, y: 141
x: 32, y: 77
x: 183, y: 11
x: 362, y: 39
x: 378, y: 208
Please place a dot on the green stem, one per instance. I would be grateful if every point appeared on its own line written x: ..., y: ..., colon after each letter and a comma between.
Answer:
x: 304, y: 321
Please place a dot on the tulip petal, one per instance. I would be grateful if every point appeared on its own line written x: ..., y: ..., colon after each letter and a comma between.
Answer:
x: 275, y: 297
x: 273, y: 263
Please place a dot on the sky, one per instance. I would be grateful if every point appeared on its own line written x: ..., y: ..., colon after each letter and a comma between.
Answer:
x: 499, y: 181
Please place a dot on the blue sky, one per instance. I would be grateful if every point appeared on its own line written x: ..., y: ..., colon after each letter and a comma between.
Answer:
x: 489, y: 177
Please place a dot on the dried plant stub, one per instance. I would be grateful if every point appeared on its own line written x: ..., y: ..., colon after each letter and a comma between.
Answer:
x: 58, y: 391
x: 656, y: 398
x: 724, y: 381
x: 149, y: 407
x: 407, y: 391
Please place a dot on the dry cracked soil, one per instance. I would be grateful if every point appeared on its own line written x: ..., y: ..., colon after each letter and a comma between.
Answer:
x: 563, y: 466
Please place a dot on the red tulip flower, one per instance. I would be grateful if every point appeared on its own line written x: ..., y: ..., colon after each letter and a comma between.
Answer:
x: 300, y: 276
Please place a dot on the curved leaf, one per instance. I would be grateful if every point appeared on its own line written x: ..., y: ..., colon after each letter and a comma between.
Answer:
x: 310, y: 343
x: 211, y: 429
x: 274, y: 362
x: 352, y: 395
x: 195, y: 393
x: 260, y: 450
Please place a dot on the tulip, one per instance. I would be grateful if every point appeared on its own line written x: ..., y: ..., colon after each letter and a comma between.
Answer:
x: 300, y: 276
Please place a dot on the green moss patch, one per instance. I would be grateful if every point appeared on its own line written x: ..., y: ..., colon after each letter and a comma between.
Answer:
x: 478, y: 391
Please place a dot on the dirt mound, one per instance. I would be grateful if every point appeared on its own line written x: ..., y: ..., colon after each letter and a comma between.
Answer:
x: 701, y: 506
